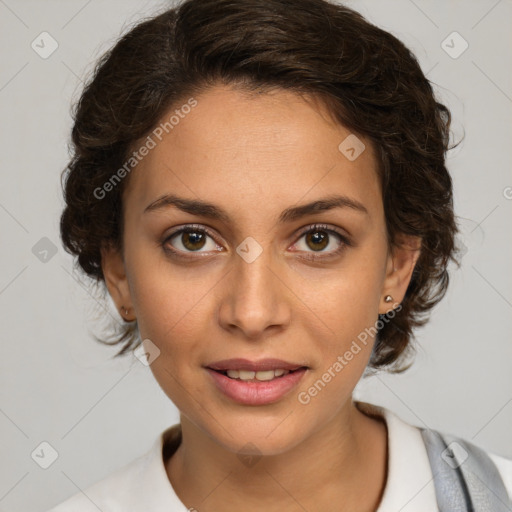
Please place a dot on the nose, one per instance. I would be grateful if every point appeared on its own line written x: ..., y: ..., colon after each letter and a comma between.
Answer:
x: 254, y: 301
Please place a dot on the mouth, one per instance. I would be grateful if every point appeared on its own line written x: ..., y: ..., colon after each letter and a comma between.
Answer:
x: 255, y: 371
x: 257, y: 376
x: 256, y: 382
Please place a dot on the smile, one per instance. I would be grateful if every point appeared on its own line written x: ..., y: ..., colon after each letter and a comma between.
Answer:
x: 256, y: 383
x: 250, y: 376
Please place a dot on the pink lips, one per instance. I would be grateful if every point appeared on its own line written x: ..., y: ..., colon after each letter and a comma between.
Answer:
x: 256, y: 393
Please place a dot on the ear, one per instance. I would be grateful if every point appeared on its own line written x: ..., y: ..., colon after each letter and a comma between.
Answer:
x: 116, y: 281
x: 400, y: 265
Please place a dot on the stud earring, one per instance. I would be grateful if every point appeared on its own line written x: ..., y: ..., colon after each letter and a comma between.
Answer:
x: 388, y: 298
x: 124, y: 310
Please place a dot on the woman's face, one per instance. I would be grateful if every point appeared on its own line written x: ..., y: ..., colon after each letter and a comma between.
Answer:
x: 241, y: 283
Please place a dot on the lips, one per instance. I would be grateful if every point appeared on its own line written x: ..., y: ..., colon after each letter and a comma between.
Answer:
x: 254, y: 366
x: 256, y: 382
x: 256, y: 393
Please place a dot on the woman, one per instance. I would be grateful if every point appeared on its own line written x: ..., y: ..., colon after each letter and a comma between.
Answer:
x: 261, y: 186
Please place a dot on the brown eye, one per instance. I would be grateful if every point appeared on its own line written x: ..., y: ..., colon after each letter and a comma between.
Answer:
x: 317, y: 240
x: 189, y: 240
x: 193, y: 240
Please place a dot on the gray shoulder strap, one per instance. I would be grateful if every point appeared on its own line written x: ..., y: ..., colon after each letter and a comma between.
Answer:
x: 465, y: 478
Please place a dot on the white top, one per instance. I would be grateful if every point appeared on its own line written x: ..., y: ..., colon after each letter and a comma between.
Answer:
x: 143, y: 485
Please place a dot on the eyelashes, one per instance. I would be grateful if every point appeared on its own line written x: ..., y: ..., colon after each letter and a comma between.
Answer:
x: 316, y: 229
x: 195, y: 238
x: 192, y: 229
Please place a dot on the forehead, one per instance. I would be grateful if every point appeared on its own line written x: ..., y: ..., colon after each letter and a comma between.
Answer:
x: 246, y: 150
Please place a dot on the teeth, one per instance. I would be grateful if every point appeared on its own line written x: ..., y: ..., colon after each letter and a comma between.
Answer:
x: 267, y: 375
x: 261, y: 375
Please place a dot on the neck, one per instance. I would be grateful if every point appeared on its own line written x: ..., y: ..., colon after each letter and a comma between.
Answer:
x: 343, y: 463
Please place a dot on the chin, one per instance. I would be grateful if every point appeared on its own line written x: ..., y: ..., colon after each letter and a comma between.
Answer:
x: 261, y: 434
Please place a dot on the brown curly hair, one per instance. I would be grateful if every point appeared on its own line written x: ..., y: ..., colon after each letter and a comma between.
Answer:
x: 369, y: 81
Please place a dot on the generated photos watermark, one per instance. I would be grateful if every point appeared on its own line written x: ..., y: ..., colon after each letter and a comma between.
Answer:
x: 304, y: 397
x: 149, y: 144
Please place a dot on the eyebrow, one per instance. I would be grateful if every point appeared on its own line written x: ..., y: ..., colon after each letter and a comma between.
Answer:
x: 209, y: 210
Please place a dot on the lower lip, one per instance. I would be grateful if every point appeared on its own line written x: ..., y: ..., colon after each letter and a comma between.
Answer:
x: 257, y: 393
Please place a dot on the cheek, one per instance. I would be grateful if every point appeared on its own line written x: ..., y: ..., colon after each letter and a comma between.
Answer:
x: 342, y: 352
x: 348, y: 301
x: 347, y: 312
x: 165, y: 296
x: 168, y: 309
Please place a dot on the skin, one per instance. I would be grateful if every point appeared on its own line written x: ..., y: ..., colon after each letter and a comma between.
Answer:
x: 254, y: 155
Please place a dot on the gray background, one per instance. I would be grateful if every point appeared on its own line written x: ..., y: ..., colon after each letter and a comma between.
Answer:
x: 58, y: 385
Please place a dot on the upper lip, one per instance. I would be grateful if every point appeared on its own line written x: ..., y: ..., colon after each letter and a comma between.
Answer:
x: 255, y: 366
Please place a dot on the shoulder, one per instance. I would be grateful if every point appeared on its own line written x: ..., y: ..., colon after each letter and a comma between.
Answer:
x: 481, y: 468
x: 109, y: 494
x: 504, y: 467
x: 417, y: 455
x: 140, y: 485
